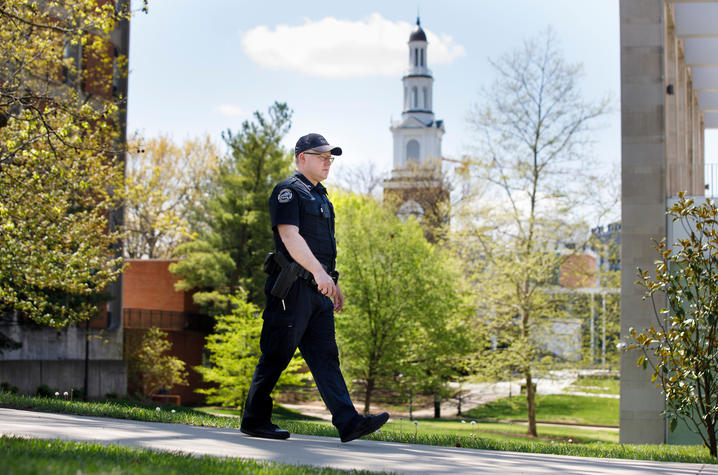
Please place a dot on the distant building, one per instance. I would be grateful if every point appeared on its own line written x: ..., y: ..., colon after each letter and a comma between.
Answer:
x: 609, y: 240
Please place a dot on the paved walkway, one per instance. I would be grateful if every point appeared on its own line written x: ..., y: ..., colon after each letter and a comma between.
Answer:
x: 322, y: 451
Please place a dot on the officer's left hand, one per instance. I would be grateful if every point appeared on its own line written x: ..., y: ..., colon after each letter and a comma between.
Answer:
x: 338, y: 299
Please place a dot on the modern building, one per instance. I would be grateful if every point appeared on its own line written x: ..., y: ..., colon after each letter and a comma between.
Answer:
x: 416, y: 186
x: 669, y: 97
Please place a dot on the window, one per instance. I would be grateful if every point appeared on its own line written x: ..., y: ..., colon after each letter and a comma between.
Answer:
x: 414, y: 98
x: 422, y: 56
x: 416, y: 57
x: 412, y: 151
x: 426, y: 99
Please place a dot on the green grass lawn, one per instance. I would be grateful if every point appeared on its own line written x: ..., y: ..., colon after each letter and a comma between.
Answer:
x: 596, y: 385
x: 552, y: 408
x: 33, y: 456
x: 430, y: 432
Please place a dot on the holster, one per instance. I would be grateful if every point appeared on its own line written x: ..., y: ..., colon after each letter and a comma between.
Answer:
x: 286, y: 278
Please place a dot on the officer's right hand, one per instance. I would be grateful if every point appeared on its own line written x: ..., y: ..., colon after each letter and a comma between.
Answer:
x: 325, y: 284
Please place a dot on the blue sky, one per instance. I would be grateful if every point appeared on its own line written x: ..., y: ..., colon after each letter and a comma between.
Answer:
x: 204, y: 66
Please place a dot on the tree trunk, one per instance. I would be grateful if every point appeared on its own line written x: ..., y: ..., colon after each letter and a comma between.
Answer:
x: 367, y: 394
x: 710, y: 428
x: 411, y: 404
x: 531, y: 404
x: 437, y: 407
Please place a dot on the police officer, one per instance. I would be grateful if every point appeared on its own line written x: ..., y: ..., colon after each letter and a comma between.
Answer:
x: 303, y: 225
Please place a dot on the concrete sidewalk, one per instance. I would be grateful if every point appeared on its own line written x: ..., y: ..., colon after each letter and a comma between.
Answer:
x: 320, y: 451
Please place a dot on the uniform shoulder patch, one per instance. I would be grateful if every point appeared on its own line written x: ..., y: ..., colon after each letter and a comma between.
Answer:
x: 285, y: 195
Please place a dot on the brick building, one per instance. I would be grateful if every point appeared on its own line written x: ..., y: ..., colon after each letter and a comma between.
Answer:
x: 150, y: 300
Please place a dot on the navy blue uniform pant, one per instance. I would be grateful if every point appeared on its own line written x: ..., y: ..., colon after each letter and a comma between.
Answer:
x: 307, y: 323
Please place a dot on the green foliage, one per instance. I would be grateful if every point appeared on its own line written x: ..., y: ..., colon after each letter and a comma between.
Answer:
x: 58, y: 159
x: 234, y: 350
x: 44, y: 391
x: 8, y: 388
x: 234, y: 232
x: 156, y: 369
x: 682, y: 349
x: 405, y: 321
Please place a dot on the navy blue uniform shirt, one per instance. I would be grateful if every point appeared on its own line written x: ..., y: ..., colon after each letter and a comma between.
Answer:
x: 297, y: 202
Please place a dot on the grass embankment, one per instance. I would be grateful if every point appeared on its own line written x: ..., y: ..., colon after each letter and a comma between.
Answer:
x: 557, y: 408
x: 443, y: 433
x: 32, y: 456
x: 596, y: 385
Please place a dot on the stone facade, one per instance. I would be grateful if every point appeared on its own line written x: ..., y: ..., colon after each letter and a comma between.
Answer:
x: 662, y: 154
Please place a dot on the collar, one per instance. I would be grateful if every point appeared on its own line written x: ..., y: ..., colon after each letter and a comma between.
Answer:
x: 319, y: 187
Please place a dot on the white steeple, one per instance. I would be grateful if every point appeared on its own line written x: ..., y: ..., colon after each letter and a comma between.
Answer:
x: 417, y: 136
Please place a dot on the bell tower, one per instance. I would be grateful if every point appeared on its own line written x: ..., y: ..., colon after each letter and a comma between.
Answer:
x: 417, y: 135
x: 415, y: 185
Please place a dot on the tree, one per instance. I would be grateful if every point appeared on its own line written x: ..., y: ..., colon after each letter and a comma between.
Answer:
x: 59, y: 148
x: 363, y: 178
x: 154, y: 367
x: 533, y: 128
x: 235, y: 234
x: 405, y: 313
x: 165, y: 182
x: 682, y: 349
x: 234, y: 349
x: 425, y: 193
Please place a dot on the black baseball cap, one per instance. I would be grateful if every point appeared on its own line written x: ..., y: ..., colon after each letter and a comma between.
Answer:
x: 315, y: 142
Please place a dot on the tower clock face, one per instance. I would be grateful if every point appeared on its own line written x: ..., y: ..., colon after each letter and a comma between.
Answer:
x: 410, y: 208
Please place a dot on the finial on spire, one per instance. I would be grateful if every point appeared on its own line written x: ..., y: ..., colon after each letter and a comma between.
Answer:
x: 418, y: 23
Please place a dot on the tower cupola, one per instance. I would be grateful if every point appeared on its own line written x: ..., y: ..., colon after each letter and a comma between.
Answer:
x: 417, y: 135
x: 417, y: 33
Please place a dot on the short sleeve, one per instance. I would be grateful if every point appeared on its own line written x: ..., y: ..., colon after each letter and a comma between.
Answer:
x: 284, y: 206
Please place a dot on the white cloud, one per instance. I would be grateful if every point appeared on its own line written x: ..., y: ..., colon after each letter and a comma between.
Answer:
x: 229, y: 110
x: 336, y: 48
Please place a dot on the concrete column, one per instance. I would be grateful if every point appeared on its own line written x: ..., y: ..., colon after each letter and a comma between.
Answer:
x: 697, y: 158
x: 681, y: 173
x: 643, y: 173
x: 671, y: 118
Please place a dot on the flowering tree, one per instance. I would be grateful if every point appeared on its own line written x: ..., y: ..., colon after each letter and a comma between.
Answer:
x: 59, y: 144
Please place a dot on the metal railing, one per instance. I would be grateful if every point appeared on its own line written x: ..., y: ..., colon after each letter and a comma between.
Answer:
x: 139, y: 318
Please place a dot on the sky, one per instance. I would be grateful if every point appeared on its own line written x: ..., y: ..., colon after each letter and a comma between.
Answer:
x: 205, y: 66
